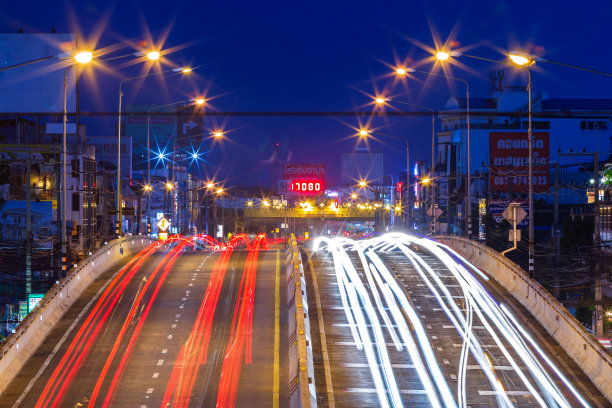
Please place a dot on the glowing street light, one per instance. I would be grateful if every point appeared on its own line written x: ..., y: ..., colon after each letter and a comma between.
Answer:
x: 380, y: 100
x: 220, y: 191
x: 265, y: 203
x: 250, y: 203
x: 362, y: 183
x: 353, y: 196
x: 442, y: 55
x: 169, y: 186
x: 521, y: 59
x: 218, y: 134
x: 83, y: 57
x: 364, y: 132
x: 401, y: 71
x: 199, y: 101
x: 153, y: 55
x: 148, y: 188
x: 210, y: 185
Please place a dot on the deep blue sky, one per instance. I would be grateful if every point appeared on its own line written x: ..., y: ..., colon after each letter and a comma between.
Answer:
x: 316, y: 56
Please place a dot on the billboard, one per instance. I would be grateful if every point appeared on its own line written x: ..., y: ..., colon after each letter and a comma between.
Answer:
x: 300, y: 179
x: 509, y: 161
x: 33, y: 300
x: 106, y: 151
x: 38, y: 87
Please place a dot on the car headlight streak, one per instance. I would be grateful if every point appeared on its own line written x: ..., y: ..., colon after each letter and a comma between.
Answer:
x: 374, y: 293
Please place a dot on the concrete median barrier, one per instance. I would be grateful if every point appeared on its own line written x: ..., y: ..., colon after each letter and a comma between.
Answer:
x: 579, y: 344
x: 302, y: 390
x: 33, y: 330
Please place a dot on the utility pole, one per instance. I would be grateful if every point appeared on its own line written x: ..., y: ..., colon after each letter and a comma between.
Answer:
x: 597, y: 276
x: 597, y: 244
x: 28, y: 234
x: 556, y: 238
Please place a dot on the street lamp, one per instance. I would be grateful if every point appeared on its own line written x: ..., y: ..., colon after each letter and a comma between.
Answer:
x: 199, y: 101
x: 526, y: 63
x: 382, y: 101
x: 82, y: 57
x: 443, y: 56
x: 518, y: 56
x: 151, y: 55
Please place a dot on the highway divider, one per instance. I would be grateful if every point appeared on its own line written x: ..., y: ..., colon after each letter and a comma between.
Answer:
x: 578, y: 343
x: 32, y: 331
x: 302, y: 391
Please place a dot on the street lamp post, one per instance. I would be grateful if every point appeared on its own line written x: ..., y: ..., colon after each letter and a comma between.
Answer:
x: 153, y: 55
x: 199, y: 101
x: 525, y: 63
x: 433, y: 145
x: 81, y: 58
x: 442, y: 56
x: 366, y: 133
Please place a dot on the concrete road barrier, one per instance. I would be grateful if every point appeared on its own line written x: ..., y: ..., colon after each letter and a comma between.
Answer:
x: 302, y: 389
x: 33, y: 330
x: 581, y: 346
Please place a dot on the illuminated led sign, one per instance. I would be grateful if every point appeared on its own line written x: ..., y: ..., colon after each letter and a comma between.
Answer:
x: 307, y: 186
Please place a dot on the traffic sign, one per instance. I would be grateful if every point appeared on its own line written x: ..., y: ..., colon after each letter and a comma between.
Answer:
x: 514, y: 213
x: 163, y: 224
x: 438, y: 212
x: 189, y: 126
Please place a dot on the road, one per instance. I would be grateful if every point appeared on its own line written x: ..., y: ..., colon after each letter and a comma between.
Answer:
x: 175, y: 327
x: 393, y: 323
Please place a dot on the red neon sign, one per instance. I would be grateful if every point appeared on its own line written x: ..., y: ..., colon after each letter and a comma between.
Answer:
x: 307, y: 186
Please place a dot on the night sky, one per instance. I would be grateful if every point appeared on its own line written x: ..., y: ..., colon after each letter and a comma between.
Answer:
x: 322, y: 56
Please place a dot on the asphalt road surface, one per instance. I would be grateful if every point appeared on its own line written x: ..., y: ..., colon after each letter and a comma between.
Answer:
x: 176, y: 328
x: 499, y: 377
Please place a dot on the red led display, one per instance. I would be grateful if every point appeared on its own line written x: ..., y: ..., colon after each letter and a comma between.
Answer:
x: 307, y: 186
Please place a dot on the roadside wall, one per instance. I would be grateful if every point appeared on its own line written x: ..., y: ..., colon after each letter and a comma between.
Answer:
x: 582, y: 347
x: 302, y: 390
x: 31, y: 332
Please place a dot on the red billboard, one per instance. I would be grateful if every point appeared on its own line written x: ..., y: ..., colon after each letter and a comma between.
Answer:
x: 509, y: 161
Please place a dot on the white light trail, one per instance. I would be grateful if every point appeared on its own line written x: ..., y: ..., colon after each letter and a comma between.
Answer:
x: 369, y: 282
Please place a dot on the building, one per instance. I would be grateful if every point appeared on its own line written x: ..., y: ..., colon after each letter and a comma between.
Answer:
x: 566, y: 134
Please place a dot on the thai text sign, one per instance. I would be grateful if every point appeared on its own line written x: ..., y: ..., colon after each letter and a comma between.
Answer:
x: 305, y: 171
x: 509, y: 160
